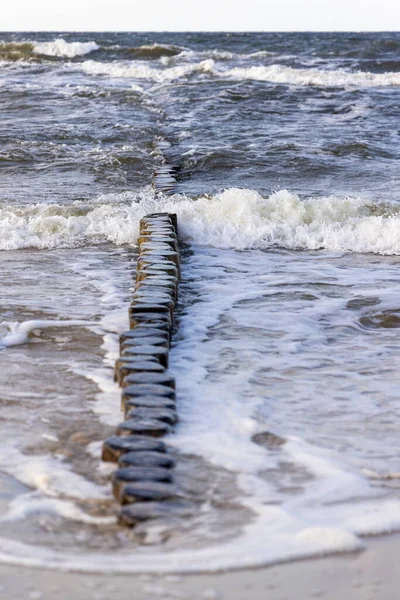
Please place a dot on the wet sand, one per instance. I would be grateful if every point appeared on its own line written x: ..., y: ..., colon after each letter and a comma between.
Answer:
x: 372, y: 574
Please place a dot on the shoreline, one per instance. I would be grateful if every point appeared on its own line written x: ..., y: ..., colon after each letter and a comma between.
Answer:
x: 365, y: 575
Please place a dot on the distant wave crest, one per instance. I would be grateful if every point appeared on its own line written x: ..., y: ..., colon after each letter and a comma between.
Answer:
x: 315, y: 77
x: 15, y: 51
x: 136, y: 70
x: 273, y: 73
x: 32, y: 50
x: 147, y: 51
x: 60, y: 47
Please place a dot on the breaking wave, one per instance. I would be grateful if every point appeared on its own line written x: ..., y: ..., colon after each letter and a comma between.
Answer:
x: 243, y: 219
x: 14, y: 51
x: 60, y: 47
x: 315, y: 77
x: 164, y: 63
x: 19, y: 51
x: 272, y: 73
x: 237, y: 218
x: 136, y: 70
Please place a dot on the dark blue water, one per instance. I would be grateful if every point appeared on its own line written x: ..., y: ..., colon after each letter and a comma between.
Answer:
x: 237, y: 109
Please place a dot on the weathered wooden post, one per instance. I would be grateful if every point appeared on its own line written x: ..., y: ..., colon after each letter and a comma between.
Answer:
x: 143, y: 483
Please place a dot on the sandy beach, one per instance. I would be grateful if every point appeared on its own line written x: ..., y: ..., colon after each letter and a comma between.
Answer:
x: 372, y: 574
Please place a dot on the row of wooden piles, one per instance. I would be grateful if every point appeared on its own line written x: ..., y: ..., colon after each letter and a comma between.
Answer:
x: 144, y: 480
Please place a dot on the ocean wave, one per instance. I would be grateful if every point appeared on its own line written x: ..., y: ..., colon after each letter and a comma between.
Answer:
x: 32, y: 50
x: 15, y: 334
x: 59, y: 47
x: 315, y: 77
x: 243, y: 219
x: 259, y: 54
x: 52, y: 226
x: 192, y: 55
x: 15, y: 51
x: 135, y: 70
x: 147, y: 51
x: 237, y: 218
x: 273, y: 73
x: 187, y: 55
x: 169, y: 63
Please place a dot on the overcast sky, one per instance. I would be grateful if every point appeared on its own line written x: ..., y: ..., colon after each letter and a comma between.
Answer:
x: 200, y: 15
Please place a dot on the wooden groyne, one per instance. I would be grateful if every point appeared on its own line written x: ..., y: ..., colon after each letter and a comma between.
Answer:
x: 144, y: 481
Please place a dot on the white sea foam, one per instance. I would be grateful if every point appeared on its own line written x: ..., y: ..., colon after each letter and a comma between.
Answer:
x: 336, y: 504
x: 154, y: 46
x: 259, y: 54
x: 311, y: 541
x: 272, y: 73
x: 114, y: 321
x: 55, y: 226
x: 193, y: 55
x: 315, y: 77
x: 16, y: 334
x: 49, y: 475
x: 237, y: 218
x: 309, y: 524
x: 141, y: 70
x: 57, y: 488
x: 60, y: 47
x: 27, y: 504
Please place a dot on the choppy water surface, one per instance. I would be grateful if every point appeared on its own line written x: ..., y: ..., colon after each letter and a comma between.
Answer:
x: 287, y: 354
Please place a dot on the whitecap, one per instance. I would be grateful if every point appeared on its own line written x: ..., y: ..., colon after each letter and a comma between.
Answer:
x: 60, y: 47
x: 236, y: 218
x: 274, y: 73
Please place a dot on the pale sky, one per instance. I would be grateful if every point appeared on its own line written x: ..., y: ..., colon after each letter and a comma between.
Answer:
x: 200, y: 15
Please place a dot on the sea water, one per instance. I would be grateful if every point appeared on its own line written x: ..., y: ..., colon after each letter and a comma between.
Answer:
x: 287, y: 351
